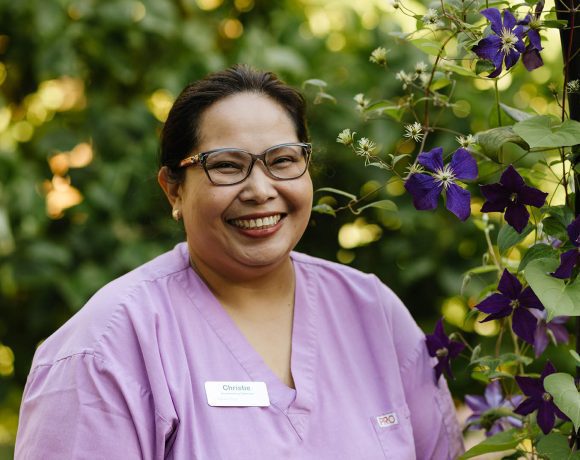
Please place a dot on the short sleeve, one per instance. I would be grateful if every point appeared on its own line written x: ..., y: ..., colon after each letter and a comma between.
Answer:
x: 77, y: 408
x: 435, y: 428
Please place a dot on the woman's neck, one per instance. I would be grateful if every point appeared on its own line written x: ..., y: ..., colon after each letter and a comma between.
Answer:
x: 257, y: 290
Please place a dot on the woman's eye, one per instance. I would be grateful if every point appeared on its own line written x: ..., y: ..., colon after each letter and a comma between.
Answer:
x: 224, y: 166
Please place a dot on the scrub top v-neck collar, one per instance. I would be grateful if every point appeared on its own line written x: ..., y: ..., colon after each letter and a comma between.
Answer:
x: 295, y: 403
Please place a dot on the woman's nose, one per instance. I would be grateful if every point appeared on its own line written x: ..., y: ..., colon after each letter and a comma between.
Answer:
x: 259, y: 186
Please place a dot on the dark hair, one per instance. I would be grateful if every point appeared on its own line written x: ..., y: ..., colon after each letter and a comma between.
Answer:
x: 180, y: 134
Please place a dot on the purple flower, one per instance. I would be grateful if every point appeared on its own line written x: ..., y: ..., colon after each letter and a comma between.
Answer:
x: 539, y: 399
x: 512, y: 299
x: 489, y: 410
x: 571, y: 258
x: 505, y: 45
x: 556, y: 328
x: 531, y: 56
x: 442, y: 348
x: 426, y: 188
x: 512, y: 195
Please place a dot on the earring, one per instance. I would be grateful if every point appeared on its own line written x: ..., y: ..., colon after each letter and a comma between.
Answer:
x: 176, y: 213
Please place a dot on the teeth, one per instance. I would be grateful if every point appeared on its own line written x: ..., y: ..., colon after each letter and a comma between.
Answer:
x: 259, y: 223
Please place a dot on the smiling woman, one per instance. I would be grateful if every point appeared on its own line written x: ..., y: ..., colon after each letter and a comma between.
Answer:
x: 232, y: 345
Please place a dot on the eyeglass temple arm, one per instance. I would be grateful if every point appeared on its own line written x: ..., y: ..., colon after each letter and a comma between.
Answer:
x: 189, y: 161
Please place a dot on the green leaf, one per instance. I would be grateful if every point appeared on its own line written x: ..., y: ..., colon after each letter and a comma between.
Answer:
x: 493, y: 139
x: 388, y: 108
x: 440, y: 83
x: 555, y: 24
x: 509, y: 237
x: 504, y: 440
x: 337, y: 191
x: 387, y: 205
x: 515, y: 114
x: 548, y: 132
x: 558, y: 297
x: 431, y: 47
x: 576, y: 356
x: 481, y: 269
x: 555, y: 447
x: 322, y: 96
x: 475, y: 354
x: 537, y: 251
x: 315, y: 82
x: 563, y: 389
x: 459, y: 70
x: 482, y: 66
x: 324, y: 209
x: 553, y: 226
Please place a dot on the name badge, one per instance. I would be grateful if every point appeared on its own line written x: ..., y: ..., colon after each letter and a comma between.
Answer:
x: 237, y: 394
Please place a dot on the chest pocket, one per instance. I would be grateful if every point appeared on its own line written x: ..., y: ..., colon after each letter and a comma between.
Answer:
x: 395, y: 433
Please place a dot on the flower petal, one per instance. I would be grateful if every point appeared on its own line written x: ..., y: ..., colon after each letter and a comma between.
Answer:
x: 548, y: 370
x: 568, y: 260
x: 532, y: 196
x: 509, y: 285
x: 511, y: 179
x: 524, y: 324
x: 574, y: 231
x: 527, y: 407
x: 517, y: 216
x: 458, y: 201
x: 529, y: 299
x: 560, y: 332
x: 455, y: 348
x: 463, y: 165
x: 535, y: 40
x: 509, y: 21
x: 493, y: 394
x: 489, y: 48
x: 511, y: 58
x: 425, y: 191
x: 432, y: 160
x: 540, y: 339
x: 532, y: 59
x: 497, y: 196
x: 530, y: 387
x: 495, y: 303
x: 494, y: 17
x: 546, y: 417
x: 477, y: 404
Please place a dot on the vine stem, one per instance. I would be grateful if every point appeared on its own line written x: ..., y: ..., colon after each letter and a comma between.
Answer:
x: 498, y: 108
x: 490, y: 248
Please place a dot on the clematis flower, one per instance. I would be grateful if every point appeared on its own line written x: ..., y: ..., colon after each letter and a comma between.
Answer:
x: 505, y: 44
x: 426, y: 188
x: 442, y: 348
x: 555, y: 328
x: 512, y: 195
x: 531, y: 56
x: 539, y: 399
x: 513, y: 299
x: 571, y: 258
x: 488, y: 409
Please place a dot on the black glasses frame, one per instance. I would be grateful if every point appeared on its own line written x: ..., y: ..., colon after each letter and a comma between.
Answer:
x: 200, y: 158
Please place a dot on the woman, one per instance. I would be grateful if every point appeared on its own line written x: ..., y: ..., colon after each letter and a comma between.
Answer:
x: 231, y: 346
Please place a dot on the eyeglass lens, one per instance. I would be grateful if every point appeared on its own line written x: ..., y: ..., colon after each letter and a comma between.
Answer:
x: 231, y: 166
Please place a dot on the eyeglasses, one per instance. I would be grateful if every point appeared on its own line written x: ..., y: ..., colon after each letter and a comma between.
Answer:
x: 230, y: 166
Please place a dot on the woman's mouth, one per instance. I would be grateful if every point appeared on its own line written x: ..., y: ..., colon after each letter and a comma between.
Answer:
x: 259, y: 223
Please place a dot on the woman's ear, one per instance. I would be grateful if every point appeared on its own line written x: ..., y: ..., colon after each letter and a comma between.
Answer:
x: 171, y: 187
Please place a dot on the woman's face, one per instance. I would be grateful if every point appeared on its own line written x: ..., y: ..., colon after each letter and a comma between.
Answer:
x: 217, y: 218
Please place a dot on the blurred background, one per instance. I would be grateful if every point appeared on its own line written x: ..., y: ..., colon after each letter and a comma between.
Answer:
x: 84, y: 88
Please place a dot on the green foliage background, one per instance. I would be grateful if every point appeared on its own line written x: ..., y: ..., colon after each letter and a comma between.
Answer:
x: 123, y: 52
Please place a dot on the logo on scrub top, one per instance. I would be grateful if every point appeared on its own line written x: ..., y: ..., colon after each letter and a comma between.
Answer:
x: 387, y: 420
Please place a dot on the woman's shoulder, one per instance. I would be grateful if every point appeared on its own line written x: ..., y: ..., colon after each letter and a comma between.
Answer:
x: 123, y: 305
x: 332, y: 268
